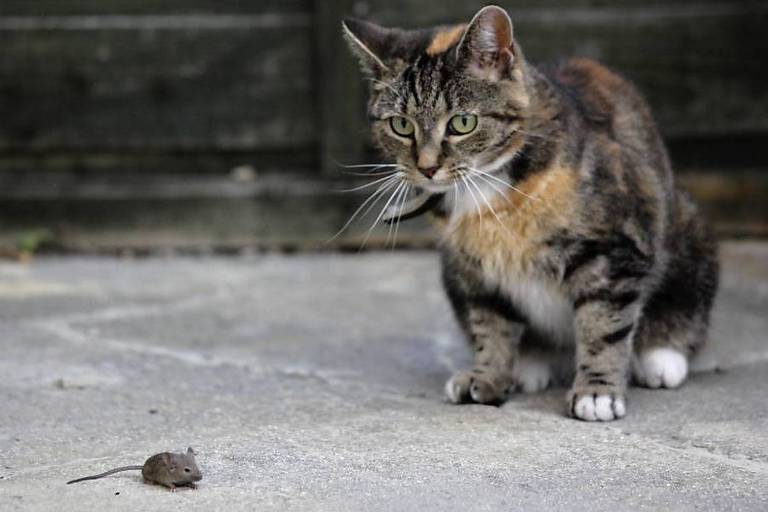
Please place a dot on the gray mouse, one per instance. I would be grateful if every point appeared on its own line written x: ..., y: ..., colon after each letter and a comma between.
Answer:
x: 169, y: 469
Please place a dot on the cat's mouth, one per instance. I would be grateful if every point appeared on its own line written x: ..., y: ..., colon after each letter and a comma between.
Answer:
x: 444, y: 180
x: 430, y: 191
x: 438, y: 186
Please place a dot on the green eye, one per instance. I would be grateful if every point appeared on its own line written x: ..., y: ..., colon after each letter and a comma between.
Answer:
x: 401, y: 126
x: 462, y: 124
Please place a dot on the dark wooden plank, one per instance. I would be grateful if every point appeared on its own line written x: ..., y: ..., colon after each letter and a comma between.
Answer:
x: 200, y: 212
x: 410, y: 14
x: 57, y: 174
x: 227, y: 87
x: 143, y: 7
x: 340, y: 96
x: 273, y: 211
x: 701, y: 63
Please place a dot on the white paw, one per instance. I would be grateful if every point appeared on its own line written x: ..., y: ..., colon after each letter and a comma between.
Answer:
x: 454, y: 390
x: 531, y: 374
x: 598, y: 407
x: 660, y: 367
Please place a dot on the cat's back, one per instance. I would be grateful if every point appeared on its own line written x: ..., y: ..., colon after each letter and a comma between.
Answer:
x: 598, y: 92
x: 610, y: 105
x: 616, y: 124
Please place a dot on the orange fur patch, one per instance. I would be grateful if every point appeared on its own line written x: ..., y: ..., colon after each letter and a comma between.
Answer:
x: 598, y: 87
x: 444, y: 39
x: 597, y: 72
x: 506, y: 246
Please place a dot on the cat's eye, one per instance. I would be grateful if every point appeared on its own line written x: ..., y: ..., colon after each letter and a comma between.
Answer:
x: 462, y: 124
x: 401, y: 126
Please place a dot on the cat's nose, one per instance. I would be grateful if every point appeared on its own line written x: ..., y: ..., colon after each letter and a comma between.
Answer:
x: 429, y: 171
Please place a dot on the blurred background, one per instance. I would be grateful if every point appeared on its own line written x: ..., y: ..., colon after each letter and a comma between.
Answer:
x: 218, y: 125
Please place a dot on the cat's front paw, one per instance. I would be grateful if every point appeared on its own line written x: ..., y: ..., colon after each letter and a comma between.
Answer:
x: 467, y: 387
x: 596, y: 405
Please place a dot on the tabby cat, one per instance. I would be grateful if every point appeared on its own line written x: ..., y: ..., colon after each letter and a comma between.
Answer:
x: 568, y: 252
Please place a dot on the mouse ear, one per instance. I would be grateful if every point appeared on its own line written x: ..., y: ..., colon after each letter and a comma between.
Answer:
x: 191, y: 451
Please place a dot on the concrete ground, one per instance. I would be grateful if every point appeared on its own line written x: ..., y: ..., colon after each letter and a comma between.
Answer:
x: 315, y: 383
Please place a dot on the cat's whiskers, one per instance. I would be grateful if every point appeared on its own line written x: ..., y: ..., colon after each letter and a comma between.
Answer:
x: 370, y: 184
x: 357, y: 166
x: 502, y: 182
x: 375, y: 196
x: 472, y: 194
x: 390, y: 227
x: 381, y: 213
x: 374, y: 168
x: 381, y: 196
x: 488, y: 204
x: 498, y: 191
x: 400, y: 213
x: 391, y: 224
x: 368, y: 174
x: 496, y: 188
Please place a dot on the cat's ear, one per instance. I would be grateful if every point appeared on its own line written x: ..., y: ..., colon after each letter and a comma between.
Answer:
x: 368, y: 43
x: 487, y: 48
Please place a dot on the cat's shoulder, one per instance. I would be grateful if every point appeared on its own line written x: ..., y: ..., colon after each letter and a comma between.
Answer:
x: 598, y: 89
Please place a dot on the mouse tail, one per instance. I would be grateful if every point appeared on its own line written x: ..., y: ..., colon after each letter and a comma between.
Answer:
x: 107, y: 473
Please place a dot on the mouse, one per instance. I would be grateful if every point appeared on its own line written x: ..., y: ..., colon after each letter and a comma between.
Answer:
x: 168, y: 469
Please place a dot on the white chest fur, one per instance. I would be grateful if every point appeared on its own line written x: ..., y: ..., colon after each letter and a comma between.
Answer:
x: 544, y: 305
x: 508, y: 245
x: 512, y: 270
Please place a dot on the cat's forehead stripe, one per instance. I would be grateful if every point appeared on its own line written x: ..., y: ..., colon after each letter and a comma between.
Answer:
x: 444, y: 39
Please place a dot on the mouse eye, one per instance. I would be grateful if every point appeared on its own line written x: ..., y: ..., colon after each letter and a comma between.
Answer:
x: 187, y: 470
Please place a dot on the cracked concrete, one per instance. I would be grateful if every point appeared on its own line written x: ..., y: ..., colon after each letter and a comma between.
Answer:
x: 315, y: 382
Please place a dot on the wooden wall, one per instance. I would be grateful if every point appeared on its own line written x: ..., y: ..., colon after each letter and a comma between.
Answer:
x: 109, y: 108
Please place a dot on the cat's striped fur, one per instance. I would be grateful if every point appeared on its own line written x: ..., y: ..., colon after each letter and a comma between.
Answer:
x: 567, y: 249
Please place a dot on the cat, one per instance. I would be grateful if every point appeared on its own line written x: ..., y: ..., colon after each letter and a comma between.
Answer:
x: 568, y: 252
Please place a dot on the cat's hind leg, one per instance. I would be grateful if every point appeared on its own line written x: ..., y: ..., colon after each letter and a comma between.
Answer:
x: 660, y: 367
x: 667, y: 337
x: 675, y: 319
